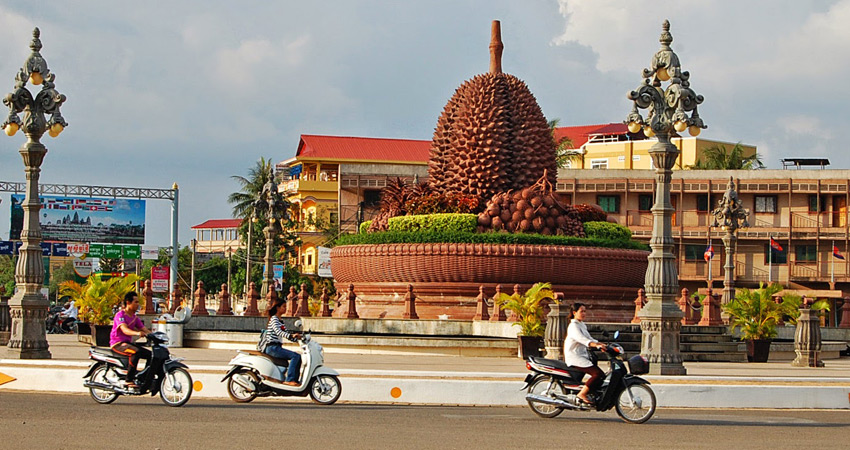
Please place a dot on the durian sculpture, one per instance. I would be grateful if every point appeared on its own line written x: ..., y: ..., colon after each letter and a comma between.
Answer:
x: 492, y: 136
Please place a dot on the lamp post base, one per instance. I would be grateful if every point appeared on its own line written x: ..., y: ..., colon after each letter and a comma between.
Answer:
x: 660, y: 338
x: 28, y: 339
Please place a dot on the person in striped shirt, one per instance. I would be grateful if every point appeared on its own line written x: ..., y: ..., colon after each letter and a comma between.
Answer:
x: 272, y: 341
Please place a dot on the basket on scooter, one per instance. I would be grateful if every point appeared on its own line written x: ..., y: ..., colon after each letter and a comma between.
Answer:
x: 638, y: 365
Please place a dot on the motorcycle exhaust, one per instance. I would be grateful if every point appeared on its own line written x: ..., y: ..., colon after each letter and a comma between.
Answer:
x: 550, y: 401
x: 106, y: 387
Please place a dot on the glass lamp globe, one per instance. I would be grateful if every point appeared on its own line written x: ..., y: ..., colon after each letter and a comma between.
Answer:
x: 36, y: 78
x: 634, y: 127
x: 11, y: 129
x: 694, y: 130
x: 662, y: 74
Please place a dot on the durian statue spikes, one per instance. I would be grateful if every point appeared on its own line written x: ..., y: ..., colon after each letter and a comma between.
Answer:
x: 492, y: 136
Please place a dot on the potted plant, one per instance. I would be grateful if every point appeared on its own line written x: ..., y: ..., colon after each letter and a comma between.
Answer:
x: 756, y: 314
x: 96, y: 300
x: 529, y: 312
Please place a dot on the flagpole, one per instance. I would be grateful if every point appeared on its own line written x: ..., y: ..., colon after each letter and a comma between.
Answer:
x: 770, y: 261
x: 832, y: 276
x: 709, y: 263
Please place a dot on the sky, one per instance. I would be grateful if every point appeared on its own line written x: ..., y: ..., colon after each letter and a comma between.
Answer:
x: 194, y: 92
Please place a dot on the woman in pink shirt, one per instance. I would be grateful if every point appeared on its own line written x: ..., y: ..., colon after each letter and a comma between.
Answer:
x: 125, y: 325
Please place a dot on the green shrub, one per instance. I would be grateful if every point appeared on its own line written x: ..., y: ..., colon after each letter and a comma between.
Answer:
x: 421, y: 237
x: 364, y: 227
x: 435, y: 222
x: 607, y: 230
x: 436, y: 203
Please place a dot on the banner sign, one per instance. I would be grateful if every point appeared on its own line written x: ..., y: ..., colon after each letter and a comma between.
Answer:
x: 112, y: 251
x: 85, y: 219
x: 95, y: 251
x: 6, y: 248
x: 59, y: 249
x: 150, y: 252
x: 77, y: 249
x: 83, y: 267
x: 45, y: 248
x: 277, y: 276
x: 132, y: 252
x: 159, y: 278
x: 324, y: 260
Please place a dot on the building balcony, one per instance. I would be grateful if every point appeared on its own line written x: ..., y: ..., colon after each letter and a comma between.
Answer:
x: 302, y: 186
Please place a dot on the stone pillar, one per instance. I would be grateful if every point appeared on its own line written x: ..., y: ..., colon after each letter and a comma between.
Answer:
x: 692, y: 315
x: 176, y: 299
x: 291, y: 301
x: 807, y: 340
x: 224, y: 308
x: 640, y: 302
x: 410, y: 304
x: 147, y: 293
x: 5, y: 322
x: 481, y: 312
x: 200, y: 308
x: 351, y: 310
x: 711, y: 310
x: 730, y: 243
x: 326, y: 310
x: 498, y: 314
x: 512, y: 317
x: 253, y: 297
x: 303, y: 308
x: 845, y: 313
x: 556, y: 328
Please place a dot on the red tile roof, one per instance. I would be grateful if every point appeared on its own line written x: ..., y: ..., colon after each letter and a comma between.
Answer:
x: 219, y: 223
x: 580, y: 135
x: 359, y: 148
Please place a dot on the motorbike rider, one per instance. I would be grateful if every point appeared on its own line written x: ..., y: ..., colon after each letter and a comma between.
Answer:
x: 70, y: 314
x: 273, y: 338
x: 127, y: 324
x: 576, y: 354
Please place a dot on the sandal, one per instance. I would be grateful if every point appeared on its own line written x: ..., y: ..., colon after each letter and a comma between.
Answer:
x: 585, y: 402
x: 131, y: 385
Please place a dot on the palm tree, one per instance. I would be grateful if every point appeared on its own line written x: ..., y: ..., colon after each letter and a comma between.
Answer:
x: 251, y: 186
x: 564, y: 151
x: 717, y: 157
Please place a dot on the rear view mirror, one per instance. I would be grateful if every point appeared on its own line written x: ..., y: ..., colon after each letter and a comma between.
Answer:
x: 616, y: 334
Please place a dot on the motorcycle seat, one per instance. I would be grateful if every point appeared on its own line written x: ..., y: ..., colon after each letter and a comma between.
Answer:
x: 104, y: 351
x: 560, y: 365
x: 275, y: 361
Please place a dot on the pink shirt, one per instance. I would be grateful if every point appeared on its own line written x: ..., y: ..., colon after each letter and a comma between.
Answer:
x: 118, y: 336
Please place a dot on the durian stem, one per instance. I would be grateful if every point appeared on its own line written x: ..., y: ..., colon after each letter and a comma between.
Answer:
x: 496, y: 47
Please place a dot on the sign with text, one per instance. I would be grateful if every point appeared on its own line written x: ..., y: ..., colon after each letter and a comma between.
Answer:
x: 112, y: 251
x: 95, y: 251
x: 78, y: 249
x: 83, y: 267
x: 159, y: 278
x: 150, y: 252
x: 132, y: 252
x: 324, y: 259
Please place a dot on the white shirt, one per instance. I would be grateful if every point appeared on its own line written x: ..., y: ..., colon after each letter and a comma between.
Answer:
x: 71, y: 311
x: 575, y: 346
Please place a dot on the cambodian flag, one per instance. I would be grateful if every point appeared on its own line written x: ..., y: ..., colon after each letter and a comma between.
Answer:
x: 709, y: 253
x: 775, y: 245
x: 835, y: 252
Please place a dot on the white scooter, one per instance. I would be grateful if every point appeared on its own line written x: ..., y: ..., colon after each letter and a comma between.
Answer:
x: 253, y: 373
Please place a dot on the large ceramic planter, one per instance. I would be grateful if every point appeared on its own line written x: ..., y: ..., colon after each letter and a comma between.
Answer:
x: 100, y: 335
x: 758, y: 350
x: 529, y: 346
x: 446, y: 277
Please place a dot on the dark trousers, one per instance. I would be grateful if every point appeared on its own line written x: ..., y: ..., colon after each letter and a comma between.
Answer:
x: 597, y: 376
x: 135, y: 353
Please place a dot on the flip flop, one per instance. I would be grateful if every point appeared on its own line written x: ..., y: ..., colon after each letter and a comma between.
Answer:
x: 585, y: 402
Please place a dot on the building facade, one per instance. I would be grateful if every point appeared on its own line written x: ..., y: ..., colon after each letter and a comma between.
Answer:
x: 216, y: 236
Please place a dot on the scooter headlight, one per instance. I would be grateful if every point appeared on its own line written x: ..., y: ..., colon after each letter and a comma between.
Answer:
x: 618, y: 349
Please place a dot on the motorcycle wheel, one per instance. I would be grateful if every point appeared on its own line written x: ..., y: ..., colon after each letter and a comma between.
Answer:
x: 643, y: 406
x: 176, y: 387
x: 325, y: 389
x: 539, y: 387
x: 236, y: 386
x: 102, y: 396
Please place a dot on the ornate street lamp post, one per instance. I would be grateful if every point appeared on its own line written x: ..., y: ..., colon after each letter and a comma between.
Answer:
x: 730, y: 216
x: 270, y: 199
x: 27, y: 307
x: 667, y: 114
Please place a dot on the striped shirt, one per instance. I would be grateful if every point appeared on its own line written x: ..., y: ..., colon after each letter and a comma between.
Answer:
x: 275, y: 333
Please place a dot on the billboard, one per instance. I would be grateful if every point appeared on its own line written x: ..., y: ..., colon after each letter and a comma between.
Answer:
x: 85, y: 219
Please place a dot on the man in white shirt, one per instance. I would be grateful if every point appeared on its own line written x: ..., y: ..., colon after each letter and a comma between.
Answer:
x: 69, y: 315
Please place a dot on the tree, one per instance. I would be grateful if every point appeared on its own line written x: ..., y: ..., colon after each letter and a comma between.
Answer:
x: 7, y: 274
x: 565, y: 153
x: 62, y: 274
x: 717, y: 157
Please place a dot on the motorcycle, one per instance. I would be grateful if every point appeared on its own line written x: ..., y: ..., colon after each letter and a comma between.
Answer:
x: 552, y: 387
x: 255, y: 374
x: 162, y: 374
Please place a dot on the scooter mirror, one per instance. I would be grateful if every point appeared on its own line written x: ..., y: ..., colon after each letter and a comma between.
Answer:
x: 616, y: 334
x: 298, y: 324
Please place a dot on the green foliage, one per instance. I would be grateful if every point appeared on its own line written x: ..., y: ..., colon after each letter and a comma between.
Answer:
x: 7, y: 274
x: 717, y: 157
x: 62, y: 274
x: 755, y: 312
x: 98, y: 296
x: 565, y: 153
x: 408, y: 237
x: 435, y: 222
x: 364, y: 227
x: 527, y: 307
x: 435, y: 203
x: 607, y: 230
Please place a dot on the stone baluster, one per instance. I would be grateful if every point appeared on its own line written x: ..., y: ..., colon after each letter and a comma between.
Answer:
x: 481, y: 312
x: 410, y: 304
x: 693, y: 314
x: 351, y: 310
x: 498, y: 314
x: 711, y: 310
x: 272, y: 298
x: 513, y: 316
x: 253, y: 299
x: 807, y: 339
x: 5, y: 322
x: 556, y: 328
x: 326, y: 310
x: 200, y: 308
x: 640, y: 301
x: 147, y: 293
x: 176, y: 299
x: 291, y: 301
x: 845, y: 314
x: 224, y: 308
x: 683, y: 305
x: 303, y: 302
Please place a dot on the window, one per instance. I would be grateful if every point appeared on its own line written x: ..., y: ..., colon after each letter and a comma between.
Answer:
x: 694, y: 252
x: 806, y: 253
x: 333, y: 217
x: 609, y: 203
x: 776, y: 256
x: 599, y: 163
x: 309, y: 260
x: 644, y: 202
x: 813, y: 203
x: 371, y: 198
x: 702, y: 203
x: 566, y: 199
x: 765, y: 203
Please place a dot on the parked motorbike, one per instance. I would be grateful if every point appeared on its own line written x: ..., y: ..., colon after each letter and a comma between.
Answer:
x: 162, y: 374
x: 552, y: 387
x: 255, y: 374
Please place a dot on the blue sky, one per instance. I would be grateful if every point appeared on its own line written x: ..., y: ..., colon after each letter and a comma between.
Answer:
x: 193, y: 92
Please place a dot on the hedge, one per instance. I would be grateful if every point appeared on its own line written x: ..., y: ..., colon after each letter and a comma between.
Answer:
x: 364, y: 227
x: 420, y: 237
x: 446, y: 222
x: 607, y: 230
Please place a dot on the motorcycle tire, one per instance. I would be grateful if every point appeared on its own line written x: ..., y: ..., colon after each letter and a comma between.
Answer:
x: 237, y: 391
x: 325, y: 389
x: 102, y: 396
x: 176, y: 387
x: 539, y: 387
x: 641, y: 409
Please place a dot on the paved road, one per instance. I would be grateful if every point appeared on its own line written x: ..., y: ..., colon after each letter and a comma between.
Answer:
x: 30, y: 420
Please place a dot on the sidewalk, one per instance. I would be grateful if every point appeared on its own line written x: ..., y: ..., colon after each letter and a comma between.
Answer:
x: 475, y: 380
